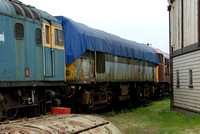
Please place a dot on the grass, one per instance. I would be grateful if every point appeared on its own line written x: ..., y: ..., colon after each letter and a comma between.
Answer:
x: 154, y: 119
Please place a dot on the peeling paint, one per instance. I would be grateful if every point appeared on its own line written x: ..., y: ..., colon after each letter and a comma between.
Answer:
x: 59, y: 124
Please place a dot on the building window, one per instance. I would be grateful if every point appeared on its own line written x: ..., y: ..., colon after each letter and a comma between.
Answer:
x: 190, y: 78
x: 19, y: 31
x: 177, y: 78
x: 38, y: 37
x: 59, y: 37
x: 47, y: 34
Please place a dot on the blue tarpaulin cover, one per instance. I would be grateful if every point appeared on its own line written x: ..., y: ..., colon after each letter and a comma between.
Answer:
x: 78, y: 38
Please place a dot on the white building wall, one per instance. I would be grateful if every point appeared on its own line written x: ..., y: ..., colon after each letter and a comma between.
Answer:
x: 184, y: 96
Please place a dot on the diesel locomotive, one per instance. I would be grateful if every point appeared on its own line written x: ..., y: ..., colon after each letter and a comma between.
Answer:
x: 50, y: 61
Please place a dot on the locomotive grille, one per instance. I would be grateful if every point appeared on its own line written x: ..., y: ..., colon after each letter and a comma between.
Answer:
x: 19, y: 31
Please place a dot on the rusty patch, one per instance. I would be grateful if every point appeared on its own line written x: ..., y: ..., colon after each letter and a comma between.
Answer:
x: 59, y: 124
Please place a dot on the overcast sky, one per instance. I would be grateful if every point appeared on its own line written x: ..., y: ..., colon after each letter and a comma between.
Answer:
x: 143, y: 21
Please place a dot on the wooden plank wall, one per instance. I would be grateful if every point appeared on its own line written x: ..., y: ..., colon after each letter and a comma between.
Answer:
x: 184, y: 23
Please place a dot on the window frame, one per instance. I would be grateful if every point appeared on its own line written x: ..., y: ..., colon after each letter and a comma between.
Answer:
x: 109, y: 57
x: 100, y: 65
x: 56, y: 33
x: 45, y: 43
x: 177, y: 78
x: 61, y: 47
x: 190, y: 78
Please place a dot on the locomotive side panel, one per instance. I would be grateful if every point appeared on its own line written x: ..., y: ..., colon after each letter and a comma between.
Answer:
x: 112, y: 69
x: 7, y: 70
x: 24, y: 55
x: 53, y: 49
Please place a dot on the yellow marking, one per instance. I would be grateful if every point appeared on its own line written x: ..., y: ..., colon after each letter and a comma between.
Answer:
x: 157, y: 68
x: 71, y: 71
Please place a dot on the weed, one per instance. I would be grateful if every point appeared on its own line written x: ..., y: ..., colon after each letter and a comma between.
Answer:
x: 157, y: 118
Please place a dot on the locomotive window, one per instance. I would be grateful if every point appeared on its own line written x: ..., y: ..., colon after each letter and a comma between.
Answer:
x: 143, y: 63
x: 116, y: 59
x: 59, y: 37
x: 35, y: 14
x: 119, y: 59
x: 177, y: 78
x: 28, y: 14
x: 17, y: 9
x: 166, y: 70
x: 109, y: 57
x: 153, y: 73
x: 124, y: 60
x: 166, y: 62
x: 138, y: 62
x: 135, y: 62
x: 38, y: 36
x: 159, y: 58
x: 19, y: 31
x: 190, y: 78
x: 92, y: 53
x: 100, y: 65
x: 86, y: 55
x: 128, y: 60
x: 131, y: 61
x: 47, y: 34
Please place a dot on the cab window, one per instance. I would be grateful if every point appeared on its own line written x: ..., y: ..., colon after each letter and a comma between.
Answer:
x: 59, y: 37
x: 47, y: 34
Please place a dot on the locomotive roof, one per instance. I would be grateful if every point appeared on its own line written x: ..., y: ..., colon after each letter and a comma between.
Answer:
x: 15, y: 8
x: 166, y: 55
x: 79, y: 38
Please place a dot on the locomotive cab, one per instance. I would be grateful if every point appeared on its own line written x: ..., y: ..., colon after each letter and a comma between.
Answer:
x: 31, y: 59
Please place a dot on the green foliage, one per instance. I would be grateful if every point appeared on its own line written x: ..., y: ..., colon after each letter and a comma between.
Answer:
x: 157, y: 118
